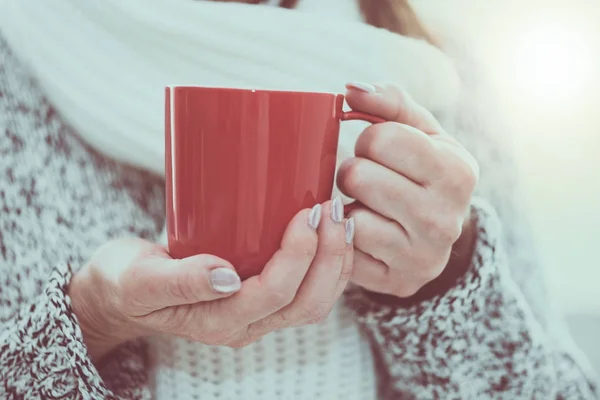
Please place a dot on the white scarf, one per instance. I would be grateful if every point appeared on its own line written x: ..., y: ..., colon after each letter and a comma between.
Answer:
x: 104, y: 64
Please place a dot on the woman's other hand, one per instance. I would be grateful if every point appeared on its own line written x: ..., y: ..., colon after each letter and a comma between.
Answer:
x: 132, y: 288
x: 415, y: 183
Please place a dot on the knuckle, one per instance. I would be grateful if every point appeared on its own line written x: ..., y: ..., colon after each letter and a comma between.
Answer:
x: 352, y: 175
x: 367, y: 139
x: 132, y: 291
x: 417, y: 141
x: 386, y: 241
x: 470, y: 173
x: 376, y: 139
x: 451, y: 230
x: 129, y: 302
x: 395, y: 261
x: 437, y: 166
x: 403, y: 103
x: 397, y: 90
x: 309, y: 251
x: 394, y: 193
x: 177, y: 320
x: 462, y: 177
x: 303, y: 244
x: 430, y: 222
x: 443, y: 229
x: 299, y: 241
x: 303, y: 247
x: 182, y: 287
x: 447, y: 234
x: 339, y: 253
x: 279, y: 298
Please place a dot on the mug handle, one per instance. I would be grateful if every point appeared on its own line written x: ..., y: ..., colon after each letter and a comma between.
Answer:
x: 357, y: 115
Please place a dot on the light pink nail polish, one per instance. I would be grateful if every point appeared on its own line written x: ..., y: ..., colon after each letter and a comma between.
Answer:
x: 225, y: 280
x: 350, y: 231
x: 314, y: 217
x: 360, y: 86
x: 337, y: 210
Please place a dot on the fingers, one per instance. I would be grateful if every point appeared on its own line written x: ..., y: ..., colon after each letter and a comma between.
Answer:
x: 413, y: 143
x: 393, y: 104
x: 325, y: 280
x: 276, y: 286
x: 156, y: 281
x: 380, y: 236
x: 390, y: 194
x: 375, y: 276
x: 300, y: 284
x: 403, y: 149
x: 420, y: 211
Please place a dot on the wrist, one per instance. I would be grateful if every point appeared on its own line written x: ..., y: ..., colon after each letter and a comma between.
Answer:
x: 101, y: 326
x: 458, y: 263
x: 462, y: 250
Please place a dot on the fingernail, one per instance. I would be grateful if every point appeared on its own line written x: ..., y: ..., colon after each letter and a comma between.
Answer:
x: 337, y: 210
x: 363, y: 87
x: 225, y: 280
x: 350, y: 231
x: 314, y: 217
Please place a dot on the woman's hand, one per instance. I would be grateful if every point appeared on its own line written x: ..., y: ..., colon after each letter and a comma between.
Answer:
x: 415, y: 182
x: 132, y: 288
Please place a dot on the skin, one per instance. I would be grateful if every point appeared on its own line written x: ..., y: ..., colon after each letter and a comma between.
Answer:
x: 132, y: 288
x: 414, y: 182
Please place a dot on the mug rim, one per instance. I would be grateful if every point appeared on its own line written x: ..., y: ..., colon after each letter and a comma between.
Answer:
x: 248, y: 90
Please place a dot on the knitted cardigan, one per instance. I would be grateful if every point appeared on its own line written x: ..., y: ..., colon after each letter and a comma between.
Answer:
x: 493, y: 334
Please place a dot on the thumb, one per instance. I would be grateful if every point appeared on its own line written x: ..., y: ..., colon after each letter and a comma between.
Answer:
x: 391, y: 103
x: 158, y: 281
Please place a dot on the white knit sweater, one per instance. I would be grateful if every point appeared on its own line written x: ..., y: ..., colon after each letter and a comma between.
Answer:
x: 331, y: 360
x: 491, y: 335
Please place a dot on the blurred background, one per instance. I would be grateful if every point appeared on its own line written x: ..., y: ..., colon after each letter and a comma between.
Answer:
x: 542, y: 61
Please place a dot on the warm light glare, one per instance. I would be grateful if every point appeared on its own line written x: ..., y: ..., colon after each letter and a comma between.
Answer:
x: 551, y: 61
x: 545, y: 61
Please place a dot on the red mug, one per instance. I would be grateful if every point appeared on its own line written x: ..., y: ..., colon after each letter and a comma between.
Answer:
x: 241, y: 163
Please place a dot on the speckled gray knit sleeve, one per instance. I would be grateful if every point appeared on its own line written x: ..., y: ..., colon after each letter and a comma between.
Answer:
x: 42, y: 354
x: 486, y: 337
x: 479, y: 340
x: 43, y: 239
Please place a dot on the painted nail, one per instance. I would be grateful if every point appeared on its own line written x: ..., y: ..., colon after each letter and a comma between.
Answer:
x: 360, y: 86
x: 337, y: 210
x: 225, y: 280
x: 314, y: 217
x: 350, y: 230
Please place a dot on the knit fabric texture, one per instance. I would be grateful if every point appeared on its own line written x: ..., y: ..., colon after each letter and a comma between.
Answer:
x: 492, y: 335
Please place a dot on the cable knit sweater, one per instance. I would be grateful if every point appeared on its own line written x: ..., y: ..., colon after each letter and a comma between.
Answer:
x: 491, y: 335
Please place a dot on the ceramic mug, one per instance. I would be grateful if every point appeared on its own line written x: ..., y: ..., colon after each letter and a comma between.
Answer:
x: 241, y: 163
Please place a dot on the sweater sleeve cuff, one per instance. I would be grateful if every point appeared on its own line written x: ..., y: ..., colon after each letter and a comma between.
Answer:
x: 484, y: 265
x: 42, y: 347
